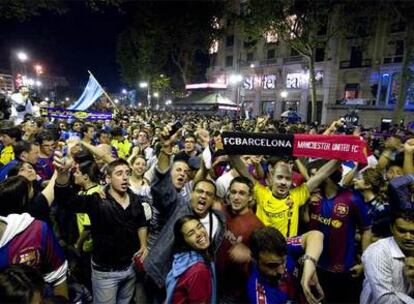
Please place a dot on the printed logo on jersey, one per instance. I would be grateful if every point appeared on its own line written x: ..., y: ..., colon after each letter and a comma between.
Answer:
x: 326, y: 221
x: 29, y: 256
x: 341, y: 210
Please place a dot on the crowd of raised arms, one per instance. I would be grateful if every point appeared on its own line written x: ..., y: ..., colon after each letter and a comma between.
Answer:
x: 142, y: 209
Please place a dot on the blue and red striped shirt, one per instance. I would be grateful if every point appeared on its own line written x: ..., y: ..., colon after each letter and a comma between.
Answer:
x: 338, y: 218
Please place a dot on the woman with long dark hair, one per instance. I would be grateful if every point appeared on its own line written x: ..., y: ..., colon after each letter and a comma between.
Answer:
x: 15, y: 194
x: 35, y: 201
x: 192, y: 276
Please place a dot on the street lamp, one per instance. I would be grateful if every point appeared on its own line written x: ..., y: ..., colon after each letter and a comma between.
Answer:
x: 124, y: 91
x: 143, y: 85
x: 22, y: 56
x: 156, y: 95
x: 38, y: 69
x: 284, y: 94
x: 236, y: 79
x: 67, y: 99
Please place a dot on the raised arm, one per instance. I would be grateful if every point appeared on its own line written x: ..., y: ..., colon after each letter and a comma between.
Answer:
x: 324, y: 172
x: 99, y: 152
x: 49, y: 192
x: 237, y: 164
x: 302, y: 169
x: 408, y: 156
x: 391, y: 145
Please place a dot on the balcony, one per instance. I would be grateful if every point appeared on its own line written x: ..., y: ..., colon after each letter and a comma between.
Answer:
x: 355, y: 102
x: 293, y: 59
x: 268, y: 62
x: 348, y: 64
x: 392, y: 59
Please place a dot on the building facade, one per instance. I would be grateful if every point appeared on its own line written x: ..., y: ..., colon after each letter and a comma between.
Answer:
x: 361, y: 74
x: 6, y: 83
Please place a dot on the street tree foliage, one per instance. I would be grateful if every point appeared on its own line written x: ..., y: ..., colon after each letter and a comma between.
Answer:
x: 23, y: 10
x: 301, y: 24
x: 165, y: 38
x: 405, y: 11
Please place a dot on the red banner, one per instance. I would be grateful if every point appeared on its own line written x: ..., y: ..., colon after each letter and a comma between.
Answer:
x: 343, y: 147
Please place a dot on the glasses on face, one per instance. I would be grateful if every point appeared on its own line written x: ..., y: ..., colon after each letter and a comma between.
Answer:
x: 201, y: 191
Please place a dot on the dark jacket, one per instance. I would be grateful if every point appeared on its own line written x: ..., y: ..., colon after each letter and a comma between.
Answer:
x: 172, y: 206
x: 114, y: 229
x: 400, y: 192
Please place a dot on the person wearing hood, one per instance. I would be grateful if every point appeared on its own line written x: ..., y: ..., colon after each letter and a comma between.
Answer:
x: 192, y: 276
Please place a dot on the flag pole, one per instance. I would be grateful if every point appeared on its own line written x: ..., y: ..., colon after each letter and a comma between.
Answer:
x: 106, y: 94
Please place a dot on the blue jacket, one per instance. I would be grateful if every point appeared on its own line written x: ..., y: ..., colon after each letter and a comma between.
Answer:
x: 171, y: 206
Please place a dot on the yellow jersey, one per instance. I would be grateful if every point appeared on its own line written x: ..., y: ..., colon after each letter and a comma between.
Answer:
x: 276, y: 212
x: 122, y: 147
x: 7, y: 155
x: 82, y: 219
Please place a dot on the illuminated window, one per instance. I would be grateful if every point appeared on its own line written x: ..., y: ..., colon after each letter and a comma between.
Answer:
x: 271, y: 36
x: 214, y: 47
x: 351, y: 90
x: 216, y: 23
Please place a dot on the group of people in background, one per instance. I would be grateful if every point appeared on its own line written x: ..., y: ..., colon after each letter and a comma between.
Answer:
x: 148, y: 208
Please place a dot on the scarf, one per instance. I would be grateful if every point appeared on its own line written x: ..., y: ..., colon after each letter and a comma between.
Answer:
x: 182, y: 262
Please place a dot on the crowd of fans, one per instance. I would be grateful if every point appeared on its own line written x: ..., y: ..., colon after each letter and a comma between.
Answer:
x: 148, y: 208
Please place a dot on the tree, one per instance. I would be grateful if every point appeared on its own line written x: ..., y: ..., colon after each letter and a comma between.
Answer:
x: 24, y: 9
x: 299, y: 23
x: 140, y: 54
x: 405, y: 11
x: 164, y: 38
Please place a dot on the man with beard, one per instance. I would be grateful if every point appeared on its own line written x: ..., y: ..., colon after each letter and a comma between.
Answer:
x: 278, y: 206
x: 274, y: 276
x: 118, y: 227
x: 384, y: 262
x: 172, y: 205
x: 233, y: 255
x: 338, y: 212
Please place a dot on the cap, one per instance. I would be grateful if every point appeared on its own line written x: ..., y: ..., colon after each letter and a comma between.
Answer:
x: 194, y: 162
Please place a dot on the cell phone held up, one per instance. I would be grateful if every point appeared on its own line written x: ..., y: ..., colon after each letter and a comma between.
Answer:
x: 175, y: 127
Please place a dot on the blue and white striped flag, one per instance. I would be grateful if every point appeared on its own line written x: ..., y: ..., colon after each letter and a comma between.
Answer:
x: 91, y: 93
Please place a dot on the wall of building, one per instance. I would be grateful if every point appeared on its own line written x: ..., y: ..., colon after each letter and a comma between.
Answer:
x: 6, y: 83
x: 346, y: 83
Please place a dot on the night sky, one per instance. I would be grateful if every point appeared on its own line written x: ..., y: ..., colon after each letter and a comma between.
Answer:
x: 69, y: 44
